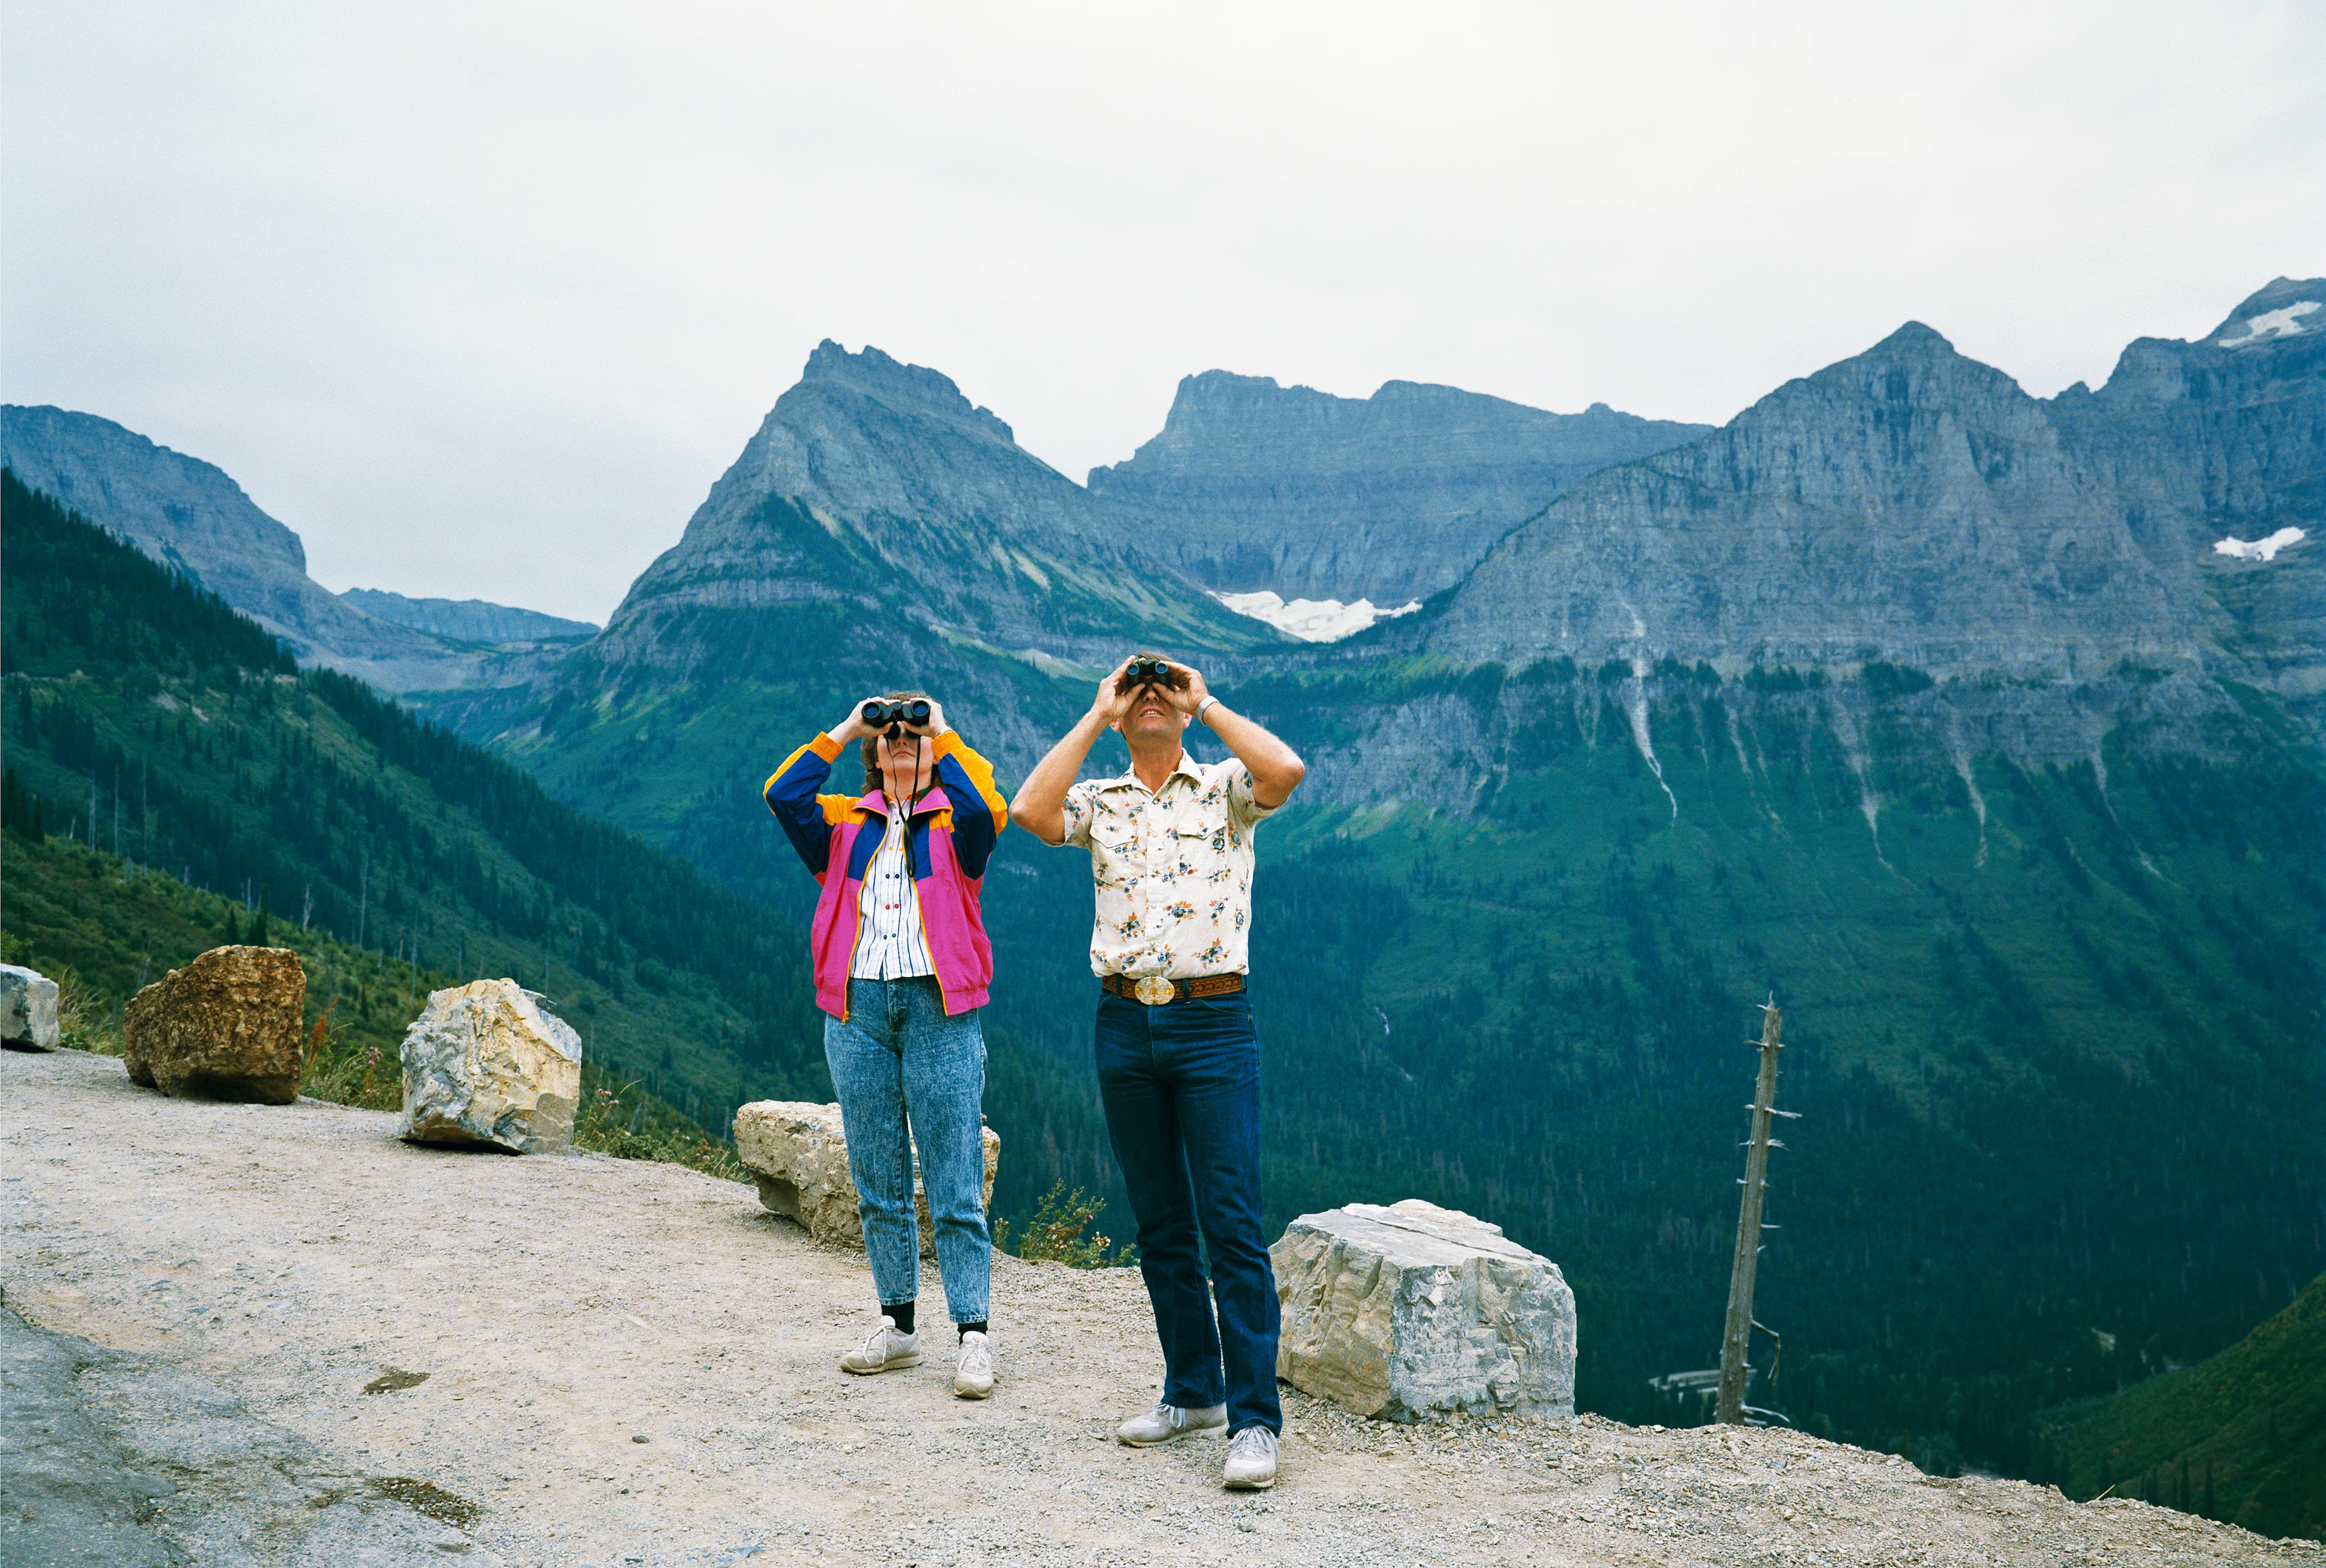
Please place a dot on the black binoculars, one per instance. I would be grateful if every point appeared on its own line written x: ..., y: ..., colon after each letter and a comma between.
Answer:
x: 1147, y: 672
x: 881, y: 715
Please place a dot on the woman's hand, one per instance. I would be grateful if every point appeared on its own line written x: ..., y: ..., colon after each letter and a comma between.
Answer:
x: 936, y: 724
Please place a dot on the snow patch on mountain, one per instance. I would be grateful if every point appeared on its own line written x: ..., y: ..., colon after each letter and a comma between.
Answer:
x: 2285, y: 324
x: 2259, y: 549
x: 1312, y: 620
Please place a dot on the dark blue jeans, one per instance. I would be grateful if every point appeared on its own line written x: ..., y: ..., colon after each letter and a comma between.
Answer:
x: 1181, y: 1086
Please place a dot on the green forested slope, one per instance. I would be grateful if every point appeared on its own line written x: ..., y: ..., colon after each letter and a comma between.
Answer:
x: 2241, y: 1437
x: 148, y: 721
x: 102, y: 928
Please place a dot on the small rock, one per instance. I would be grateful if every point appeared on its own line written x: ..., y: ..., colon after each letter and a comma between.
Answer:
x: 224, y: 1027
x: 486, y: 1066
x: 28, y: 1009
x: 798, y: 1154
x: 395, y: 1379
x: 1416, y: 1312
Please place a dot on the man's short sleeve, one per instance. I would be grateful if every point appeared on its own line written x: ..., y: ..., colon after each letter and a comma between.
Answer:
x: 1243, y: 808
x: 1078, y: 812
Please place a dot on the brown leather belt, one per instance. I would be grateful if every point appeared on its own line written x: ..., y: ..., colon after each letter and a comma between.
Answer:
x: 1201, y: 986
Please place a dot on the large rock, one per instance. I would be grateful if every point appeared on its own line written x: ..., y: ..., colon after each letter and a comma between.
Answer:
x: 797, y: 1153
x: 226, y: 1026
x: 485, y: 1066
x: 28, y: 1009
x: 1413, y: 1312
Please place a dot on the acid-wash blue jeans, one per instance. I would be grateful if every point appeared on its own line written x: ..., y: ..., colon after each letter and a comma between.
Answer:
x: 1181, y: 1087
x: 906, y: 1074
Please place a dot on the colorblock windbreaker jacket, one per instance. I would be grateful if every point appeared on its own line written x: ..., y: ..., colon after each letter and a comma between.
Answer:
x: 947, y: 848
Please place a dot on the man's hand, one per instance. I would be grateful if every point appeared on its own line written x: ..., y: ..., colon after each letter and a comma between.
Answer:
x: 1188, y: 694
x: 1110, y: 704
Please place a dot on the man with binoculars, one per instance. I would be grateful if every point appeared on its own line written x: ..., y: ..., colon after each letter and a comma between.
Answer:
x: 1178, y: 1061
x: 901, y: 965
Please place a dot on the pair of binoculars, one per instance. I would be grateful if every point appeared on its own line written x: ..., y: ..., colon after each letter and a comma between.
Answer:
x: 1148, y: 673
x: 881, y: 715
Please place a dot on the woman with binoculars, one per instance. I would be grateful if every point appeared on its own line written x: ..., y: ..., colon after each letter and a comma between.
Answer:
x: 901, y: 965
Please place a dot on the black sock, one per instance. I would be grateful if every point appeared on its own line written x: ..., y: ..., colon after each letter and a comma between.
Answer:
x: 968, y: 1328
x: 902, y: 1312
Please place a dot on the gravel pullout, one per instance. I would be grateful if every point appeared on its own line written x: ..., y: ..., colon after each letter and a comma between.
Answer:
x: 265, y: 1264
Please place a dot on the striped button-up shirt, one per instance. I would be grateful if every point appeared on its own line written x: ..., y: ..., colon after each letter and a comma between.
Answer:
x: 890, y: 944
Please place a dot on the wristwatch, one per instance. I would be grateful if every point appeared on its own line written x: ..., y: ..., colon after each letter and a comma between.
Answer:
x: 1204, y: 706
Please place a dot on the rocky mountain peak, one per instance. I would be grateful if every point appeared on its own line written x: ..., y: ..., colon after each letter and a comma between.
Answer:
x: 1912, y: 338
x: 178, y: 509
x: 193, y: 517
x: 1916, y: 506
x: 2283, y: 308
x: 1263, y: 487
x: 1914, y: 367
x: 875, y: 486
x: 906, y: 388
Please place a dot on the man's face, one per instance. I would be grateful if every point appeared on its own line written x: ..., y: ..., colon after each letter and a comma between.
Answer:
x: 1152, y: 716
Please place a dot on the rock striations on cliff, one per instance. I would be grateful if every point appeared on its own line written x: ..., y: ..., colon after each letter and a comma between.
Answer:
x: 876, y: 490
x: 1914, y: 506
x: 192, y: 515
x: 469, y: 620
x: 1252, y: 486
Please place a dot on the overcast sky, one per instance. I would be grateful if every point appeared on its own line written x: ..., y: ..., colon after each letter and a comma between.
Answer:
x: 481, y: 298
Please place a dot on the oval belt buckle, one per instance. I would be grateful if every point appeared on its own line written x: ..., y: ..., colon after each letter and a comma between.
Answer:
x: 1154, y: 990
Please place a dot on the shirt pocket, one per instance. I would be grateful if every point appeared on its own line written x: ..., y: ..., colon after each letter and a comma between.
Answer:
x: 1114, y: 835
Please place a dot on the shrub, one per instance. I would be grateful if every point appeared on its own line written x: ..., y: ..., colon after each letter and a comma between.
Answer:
x: 1055, y: 1234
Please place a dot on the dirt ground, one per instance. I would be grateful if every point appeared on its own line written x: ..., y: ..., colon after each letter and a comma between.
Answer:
x: 632, y: 1363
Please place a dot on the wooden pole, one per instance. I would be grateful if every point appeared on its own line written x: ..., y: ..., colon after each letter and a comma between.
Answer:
x: 1736, y: 1341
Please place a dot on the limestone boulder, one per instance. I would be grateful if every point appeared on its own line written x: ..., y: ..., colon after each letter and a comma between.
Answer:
x: 226, y: 1026
x: 798, y: 1154
x: 1413, y: 1312
x: 28, y: 1009
x: 486, y: 1066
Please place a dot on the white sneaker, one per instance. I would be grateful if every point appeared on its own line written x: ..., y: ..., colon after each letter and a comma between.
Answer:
x: 884, y: 1350
x: 973, y: 1378
x: 1252, y: 1460
x: 1165, y: 1421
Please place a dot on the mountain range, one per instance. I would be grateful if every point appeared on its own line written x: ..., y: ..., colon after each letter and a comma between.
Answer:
x: 1981, y: 729
x: 192, y: 516
x: 1252, y: 487
x: 469, y: 620
x: 1912, y: 505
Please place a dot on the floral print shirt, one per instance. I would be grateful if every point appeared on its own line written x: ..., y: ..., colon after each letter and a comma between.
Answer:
x: 1172, y: 869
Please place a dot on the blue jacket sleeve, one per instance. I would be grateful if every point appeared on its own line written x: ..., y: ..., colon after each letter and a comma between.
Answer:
x: 791, y: 795
x: 979, y: 811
